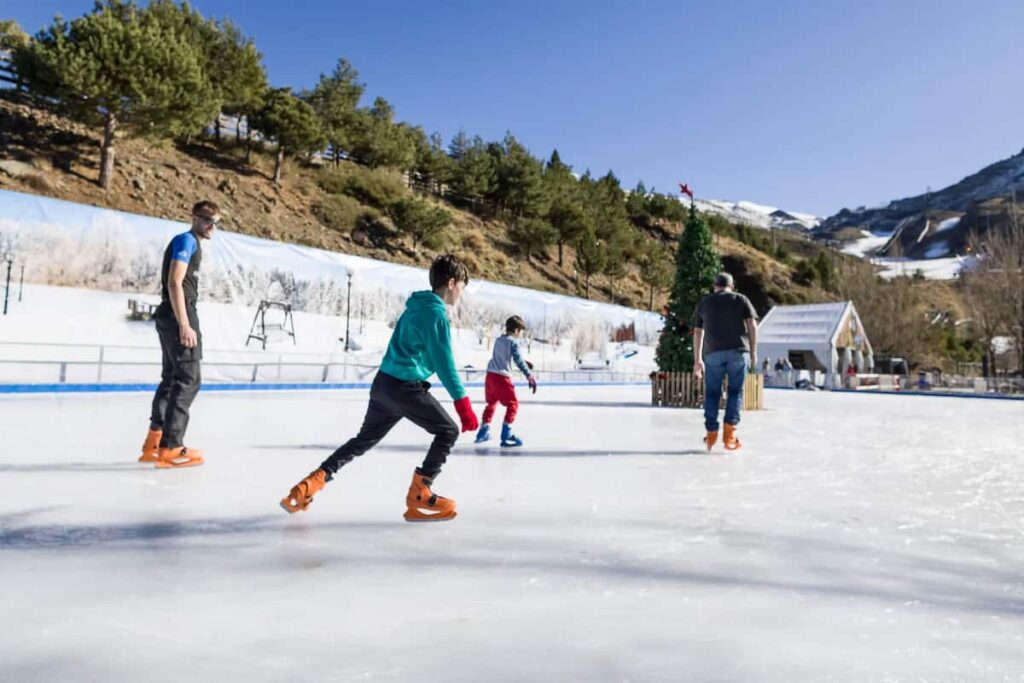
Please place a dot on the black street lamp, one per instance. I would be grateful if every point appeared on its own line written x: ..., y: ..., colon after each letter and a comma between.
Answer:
x: 348, y: 311
x: 7, y: 288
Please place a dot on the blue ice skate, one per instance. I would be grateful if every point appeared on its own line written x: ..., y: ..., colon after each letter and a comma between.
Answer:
x: 484, y: 434
x: 508, y: 439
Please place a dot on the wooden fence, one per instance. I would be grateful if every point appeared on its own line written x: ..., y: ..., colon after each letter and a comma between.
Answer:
x: 685, y: 390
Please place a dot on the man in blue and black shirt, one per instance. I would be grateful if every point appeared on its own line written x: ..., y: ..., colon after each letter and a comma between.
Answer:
x: 181, y: 342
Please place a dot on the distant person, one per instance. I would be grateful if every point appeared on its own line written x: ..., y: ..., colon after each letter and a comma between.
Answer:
x: 498, y: 387
x: 766, y: 366
x: 181, y: 343
x: 727, y: 322
x: 420, y: 346
x: 787, y: 368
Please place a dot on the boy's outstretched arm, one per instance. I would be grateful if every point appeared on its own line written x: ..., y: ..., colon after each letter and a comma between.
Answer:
x: 523, y: 367
x: 440, y: 349
x: 518, y: 360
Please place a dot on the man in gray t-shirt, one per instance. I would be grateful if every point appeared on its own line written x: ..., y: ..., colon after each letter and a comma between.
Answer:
x: 724, y: 345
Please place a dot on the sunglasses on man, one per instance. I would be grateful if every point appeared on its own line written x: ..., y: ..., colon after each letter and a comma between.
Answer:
x: 215, y: 222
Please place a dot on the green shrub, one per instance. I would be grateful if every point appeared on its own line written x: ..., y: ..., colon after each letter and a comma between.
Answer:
x: 375, y: 187
x: 805, y: 272
x: 342, y: 213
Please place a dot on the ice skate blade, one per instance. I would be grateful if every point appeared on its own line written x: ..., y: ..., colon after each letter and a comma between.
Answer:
x: 415, y: 519
x: 511, y: 444
x: 292, y: 509
x: 162, y: 465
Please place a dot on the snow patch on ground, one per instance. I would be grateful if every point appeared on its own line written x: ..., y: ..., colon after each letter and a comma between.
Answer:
x: 933, y: 269
x: 937, y: 250
x: 865, y: 245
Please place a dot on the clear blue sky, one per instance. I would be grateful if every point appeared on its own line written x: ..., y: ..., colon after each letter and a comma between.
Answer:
x: 810, y: 105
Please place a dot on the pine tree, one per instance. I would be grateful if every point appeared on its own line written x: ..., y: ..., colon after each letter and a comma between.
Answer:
x: 826, y: 274
x: 291, y: 123
x: 636, y: 202
x: 590, y: 257
x: 606, y: 205
x: 122, y: 68
x: 238, y: 75
x: 11, y: 35
x: 520, y: 191
x: 570, y: 222
x: 697, y: 263
x: 433, y: 166
x: 334, y: 99
x: 378, y: 141
x: 421, y: 220
x: 656, y: 269
x: 565, y: 213
x: 475, y: 173
x: 531, y: 235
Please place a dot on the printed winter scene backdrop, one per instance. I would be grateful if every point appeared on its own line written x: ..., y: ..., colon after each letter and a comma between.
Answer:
x: 72, y: 245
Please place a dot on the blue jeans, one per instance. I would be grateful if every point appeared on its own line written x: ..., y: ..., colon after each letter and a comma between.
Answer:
x: 717, y: 366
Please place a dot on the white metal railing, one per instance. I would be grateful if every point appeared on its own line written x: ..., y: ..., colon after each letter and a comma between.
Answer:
x: 62, y: 363
x: 930, y: 382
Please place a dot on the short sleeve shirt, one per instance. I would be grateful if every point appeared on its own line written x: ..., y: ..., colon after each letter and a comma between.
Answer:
x: 723, y: 317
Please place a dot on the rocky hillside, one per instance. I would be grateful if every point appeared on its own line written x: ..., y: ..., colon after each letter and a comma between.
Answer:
x: 936, y: 224
x: 42, y: 153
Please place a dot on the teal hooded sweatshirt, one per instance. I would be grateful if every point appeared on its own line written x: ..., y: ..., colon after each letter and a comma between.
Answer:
x: 421, y: 345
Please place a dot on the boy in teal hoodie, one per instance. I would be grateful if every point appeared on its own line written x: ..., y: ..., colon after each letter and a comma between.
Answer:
x: 420, y: 346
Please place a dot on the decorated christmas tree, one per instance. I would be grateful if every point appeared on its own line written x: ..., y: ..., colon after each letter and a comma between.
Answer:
x: 697, y: 263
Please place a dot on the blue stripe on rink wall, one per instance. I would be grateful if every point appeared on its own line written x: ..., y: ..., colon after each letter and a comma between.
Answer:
x: 245, y: 386
x: 932, y: 394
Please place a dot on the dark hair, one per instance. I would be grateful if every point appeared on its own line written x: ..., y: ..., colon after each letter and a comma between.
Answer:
x: 205, y: 208
x: 514, y: 324
x: 446, y: 268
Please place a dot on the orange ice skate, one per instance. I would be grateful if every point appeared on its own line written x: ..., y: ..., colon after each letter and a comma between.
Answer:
x: 151, y: 448
x: 424, y: 505
x: 729, y: 439
x: 179, y: 457
x: 302, y: 493
x: 710, y: 440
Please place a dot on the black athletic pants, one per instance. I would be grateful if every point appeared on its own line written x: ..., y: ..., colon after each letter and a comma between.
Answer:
x: 179, y: 380
x: 391, y: 399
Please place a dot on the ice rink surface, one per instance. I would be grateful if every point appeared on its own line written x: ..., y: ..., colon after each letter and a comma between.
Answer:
x: 855, y: 538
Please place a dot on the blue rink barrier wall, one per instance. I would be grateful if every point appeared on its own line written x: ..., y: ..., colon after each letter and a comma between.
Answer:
x: 245, y: 386
x: 928, y: 394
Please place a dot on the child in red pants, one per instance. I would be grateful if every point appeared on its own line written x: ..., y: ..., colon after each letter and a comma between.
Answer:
x: 498, y: 386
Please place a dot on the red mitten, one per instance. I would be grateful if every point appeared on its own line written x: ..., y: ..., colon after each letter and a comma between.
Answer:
x: 466, y: 414
x: 532, y: 381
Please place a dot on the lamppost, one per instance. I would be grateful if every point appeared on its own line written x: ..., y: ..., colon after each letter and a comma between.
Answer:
x: 7, y: 288
x: 348, y: 311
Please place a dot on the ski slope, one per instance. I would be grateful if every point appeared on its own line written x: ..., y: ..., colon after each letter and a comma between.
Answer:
x: 838, y: 546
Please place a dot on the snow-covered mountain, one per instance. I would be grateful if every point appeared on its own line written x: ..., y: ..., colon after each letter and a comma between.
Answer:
x: 913, y: 222
x: 759, y: 215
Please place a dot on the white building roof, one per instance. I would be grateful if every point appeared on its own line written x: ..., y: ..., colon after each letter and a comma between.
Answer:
x: 808, y: 326
x: 814, y: 328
